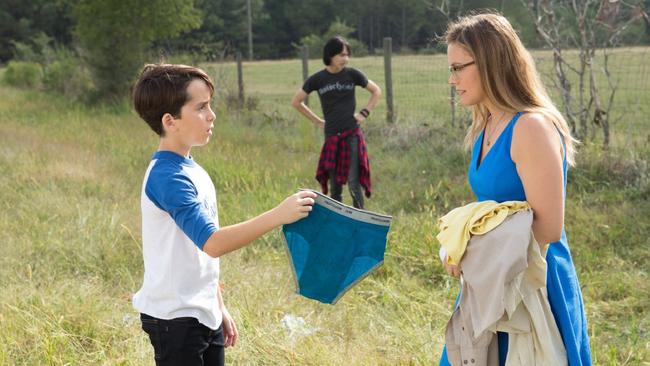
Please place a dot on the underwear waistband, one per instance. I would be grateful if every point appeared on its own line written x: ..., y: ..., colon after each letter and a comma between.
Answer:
x: 349, y: 211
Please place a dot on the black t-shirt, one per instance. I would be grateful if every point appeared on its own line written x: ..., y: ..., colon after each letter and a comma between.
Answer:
x: 336, y: 93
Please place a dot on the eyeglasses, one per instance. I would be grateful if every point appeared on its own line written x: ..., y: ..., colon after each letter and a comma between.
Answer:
x: 456, y: 69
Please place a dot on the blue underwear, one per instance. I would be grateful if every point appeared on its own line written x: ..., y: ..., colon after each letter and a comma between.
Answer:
x: 334, y: 247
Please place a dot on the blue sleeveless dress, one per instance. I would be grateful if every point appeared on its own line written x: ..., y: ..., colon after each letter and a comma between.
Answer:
x: 495, y: 178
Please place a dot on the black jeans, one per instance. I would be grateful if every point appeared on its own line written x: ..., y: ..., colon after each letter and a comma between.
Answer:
x: 184, y: 342
x: 353, y: 177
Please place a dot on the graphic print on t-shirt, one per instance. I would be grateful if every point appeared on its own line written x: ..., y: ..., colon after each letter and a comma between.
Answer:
x: 336, y: 86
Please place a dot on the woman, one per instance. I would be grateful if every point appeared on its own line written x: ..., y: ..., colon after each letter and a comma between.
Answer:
x: 521, y: 147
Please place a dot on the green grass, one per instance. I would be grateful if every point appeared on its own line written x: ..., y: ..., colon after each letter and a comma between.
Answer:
x: 70, y: 255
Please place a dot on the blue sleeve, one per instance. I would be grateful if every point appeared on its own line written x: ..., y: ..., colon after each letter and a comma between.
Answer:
x: 359, y: 78
x: 173, y: 192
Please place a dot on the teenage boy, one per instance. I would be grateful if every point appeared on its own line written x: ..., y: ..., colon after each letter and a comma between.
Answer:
x: 344, y: 157
x: 180, y: 302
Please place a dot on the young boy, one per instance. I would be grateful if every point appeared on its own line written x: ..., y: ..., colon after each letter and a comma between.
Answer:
x: 180, y: 302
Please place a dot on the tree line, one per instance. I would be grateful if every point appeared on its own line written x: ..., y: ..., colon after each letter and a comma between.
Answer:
x: 113, y: 37
x: 220, y: 26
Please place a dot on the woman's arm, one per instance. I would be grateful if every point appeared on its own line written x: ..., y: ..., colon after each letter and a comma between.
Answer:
x: 537, y: 151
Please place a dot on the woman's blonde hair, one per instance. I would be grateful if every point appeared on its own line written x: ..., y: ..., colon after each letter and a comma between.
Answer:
x: 508, y: 75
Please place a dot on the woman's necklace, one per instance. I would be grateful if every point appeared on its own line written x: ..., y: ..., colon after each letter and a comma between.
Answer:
x: 490, y: 134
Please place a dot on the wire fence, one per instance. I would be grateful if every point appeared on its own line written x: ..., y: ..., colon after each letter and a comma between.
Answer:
x: 421, y: 93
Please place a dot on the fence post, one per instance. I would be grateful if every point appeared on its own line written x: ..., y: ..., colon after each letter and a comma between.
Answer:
x: 305, y: 66
x: 388, y: 76
x: 250, y: 30
x: 240, y: 79
x: 452, y: 103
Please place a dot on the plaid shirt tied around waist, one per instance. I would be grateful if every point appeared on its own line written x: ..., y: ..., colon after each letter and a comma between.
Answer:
x: 335, y: 155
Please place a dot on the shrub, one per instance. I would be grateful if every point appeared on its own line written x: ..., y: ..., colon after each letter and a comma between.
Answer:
x: 37, y: 49
x: 24, y: 74
x: 68, y: 76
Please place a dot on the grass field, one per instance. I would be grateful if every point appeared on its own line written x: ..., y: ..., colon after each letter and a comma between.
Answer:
x: 70, y: 256
x: 422, y: 95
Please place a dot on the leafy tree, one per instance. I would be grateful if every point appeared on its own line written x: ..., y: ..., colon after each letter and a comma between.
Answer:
x: 338, y: 28
x: 290, y: 20
x: 23, y: 22
x: 224, y: 30
x: 115, y: 36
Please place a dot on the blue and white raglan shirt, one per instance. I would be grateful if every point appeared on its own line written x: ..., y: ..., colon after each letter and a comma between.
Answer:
x: 179, y: 214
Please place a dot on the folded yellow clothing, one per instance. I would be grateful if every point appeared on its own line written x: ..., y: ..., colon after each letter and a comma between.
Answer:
x: 476, y: 218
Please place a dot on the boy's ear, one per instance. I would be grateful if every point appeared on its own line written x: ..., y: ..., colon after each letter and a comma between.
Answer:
x: 168, y: 122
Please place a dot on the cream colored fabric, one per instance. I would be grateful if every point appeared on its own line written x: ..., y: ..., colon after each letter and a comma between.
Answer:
x: 504, y: 289
x: 473, y: 219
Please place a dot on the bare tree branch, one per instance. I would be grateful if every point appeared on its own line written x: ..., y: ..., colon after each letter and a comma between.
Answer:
x: 571, y: 22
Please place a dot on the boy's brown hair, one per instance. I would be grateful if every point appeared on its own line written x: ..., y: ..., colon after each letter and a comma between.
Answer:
x: 162, y: 88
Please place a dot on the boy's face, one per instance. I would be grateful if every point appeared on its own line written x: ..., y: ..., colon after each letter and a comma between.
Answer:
x: 194, y: 127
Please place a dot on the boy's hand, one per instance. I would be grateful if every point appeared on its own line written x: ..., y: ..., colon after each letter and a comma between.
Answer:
x: 359, y: 117
x: 295, y: 207
x: 230, y: 332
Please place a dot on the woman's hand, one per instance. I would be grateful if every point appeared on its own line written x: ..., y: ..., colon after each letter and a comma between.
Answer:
x: 452, y: 269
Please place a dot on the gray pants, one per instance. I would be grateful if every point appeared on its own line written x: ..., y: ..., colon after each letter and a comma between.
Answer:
x: 353, y: 177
